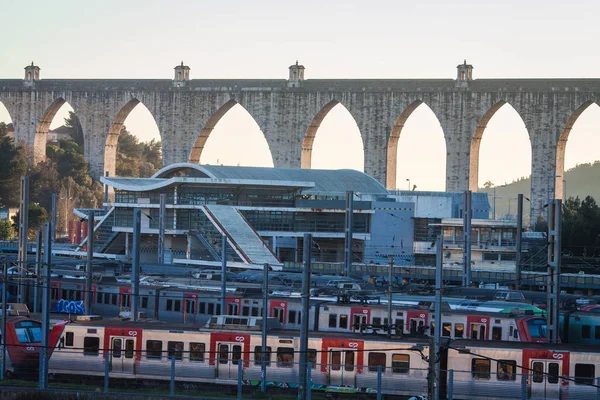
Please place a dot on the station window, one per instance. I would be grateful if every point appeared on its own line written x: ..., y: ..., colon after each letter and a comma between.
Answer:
x: 175, y: 349
x: 400, y: 363
x: 258, y: 355
x: 333, y: 320
x: 91, y: 346
x: 375, y: 360
x: 480, y: 368
x: 197, y: 352
x: 506, y: 370
x: 285, y: 357
x: 153, y: 349
x: 585, y: 374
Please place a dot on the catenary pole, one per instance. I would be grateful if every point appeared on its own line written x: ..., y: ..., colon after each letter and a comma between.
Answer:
x: 265, y: 315
x: 162, y: 222
x: 135, y: 263
x: 223, y: 274
x: 307, y: 260
x: 87, y: 296
x: 43, y: 372
x: 518, y: 265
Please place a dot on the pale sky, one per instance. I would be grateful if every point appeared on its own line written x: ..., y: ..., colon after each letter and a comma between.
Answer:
x: 332, y: 39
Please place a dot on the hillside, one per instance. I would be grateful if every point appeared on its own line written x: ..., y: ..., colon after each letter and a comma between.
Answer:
x: 583, y: 180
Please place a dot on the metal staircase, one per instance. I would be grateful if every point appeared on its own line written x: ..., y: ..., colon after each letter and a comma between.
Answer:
x: 240, y: 235
x: 103, y: 233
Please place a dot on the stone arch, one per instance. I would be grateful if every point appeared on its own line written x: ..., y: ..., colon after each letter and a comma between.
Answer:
x: 239, y: 127
x: 392, y: 144
x: 476, y: 144
x: 207, y: 130
x: 311, y: 132
x: 561, y: 147
x: 112, y: 139
x: 42, y: 128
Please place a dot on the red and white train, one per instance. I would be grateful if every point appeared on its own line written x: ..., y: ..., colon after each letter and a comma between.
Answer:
x: 481, y: 369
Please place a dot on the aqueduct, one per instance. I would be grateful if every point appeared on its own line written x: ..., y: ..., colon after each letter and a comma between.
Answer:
x: 289, y: 112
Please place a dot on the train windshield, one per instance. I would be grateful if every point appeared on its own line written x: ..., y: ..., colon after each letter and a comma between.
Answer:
x: 537, y: 328
x: 28, y: 331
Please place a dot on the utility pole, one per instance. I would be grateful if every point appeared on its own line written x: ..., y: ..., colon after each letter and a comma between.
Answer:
x: 467, y: 215
x: 223, y: 273
x: 265, y: 315
x: 519, y: 239
x: 106, y: 193
x: 389, y: 308
x: 23, y: 229
x: 162, y: 222
x: 135, y: 262
x: 38, y: 269
x: 53, y: 217
x: 553, y: 275
x: 43, y: 372
x: 437, y: 333
x: 87, y: 296
x: 303, y: 386
x: 348, y: 231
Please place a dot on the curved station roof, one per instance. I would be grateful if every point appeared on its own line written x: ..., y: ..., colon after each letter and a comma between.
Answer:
x: 311, y: 181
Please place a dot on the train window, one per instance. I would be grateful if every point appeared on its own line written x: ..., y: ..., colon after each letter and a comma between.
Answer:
x: 349, y: 361
x: 399, y: 325
x: 299, y: 317
x: 333, y: 320
x: 586, y: 331
x: 480, y: 368
x: 210, y: 309
x: 400, y: 363
x: 202, y: 308
x: 553, y: 373
x: 113, y: 299
x: 236, y: 354
x: 63, y: 294
x: 446, y: 329
x: 335, y: 360
x: 258, y: 355
x: 117, y: 345
x: 497, y: 333
x: 91, y: 346
x: 223, y: 353
x: 510, y: 331
x: 344, y: 321
x: 153, y: 348
x: 597, y: 332
x: 538, y: 372
x: 175, y: 349
x: 254, y: 311
x: 245, y: 311
x: 197, y: 352
x: 177, y: 305
x: 99, y: 298
x: 459, y: 330
x: 54, y: 293
x: 375, y: 360
x: 129, y: 348
x: 585, y: 374
x: 285, y: 357
x: 292, y: 316
x: 506, y: 370
x: 69, y: 338
x: 218, y: 307
x: 311, y: 357
x: 28, y: 331
x: 144, y: 302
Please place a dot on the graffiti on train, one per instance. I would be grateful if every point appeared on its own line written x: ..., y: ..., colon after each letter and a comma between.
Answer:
x: 69, y: 306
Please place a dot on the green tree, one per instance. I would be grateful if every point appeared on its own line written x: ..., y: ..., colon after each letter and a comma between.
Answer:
x: 37, y: 216
x: 6, y: 230
x: 75, y: 129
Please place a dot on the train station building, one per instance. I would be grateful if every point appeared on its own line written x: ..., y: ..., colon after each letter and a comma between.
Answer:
x: 265, y: 212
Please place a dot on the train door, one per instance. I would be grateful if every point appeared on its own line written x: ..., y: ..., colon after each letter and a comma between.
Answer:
x: 122, y: 352
x: 233, y: 305
x: 544, y: 378
x: 279, y: 310
x: 417, y: 322
x: 229, y: 355
x: 342, y: 366
x: 478, y: 331
x: 478, y: 327
x: 190, y: 301
x: 360, y: 318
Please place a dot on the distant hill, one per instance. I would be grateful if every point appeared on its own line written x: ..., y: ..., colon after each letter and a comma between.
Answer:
x: 582, y: 181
